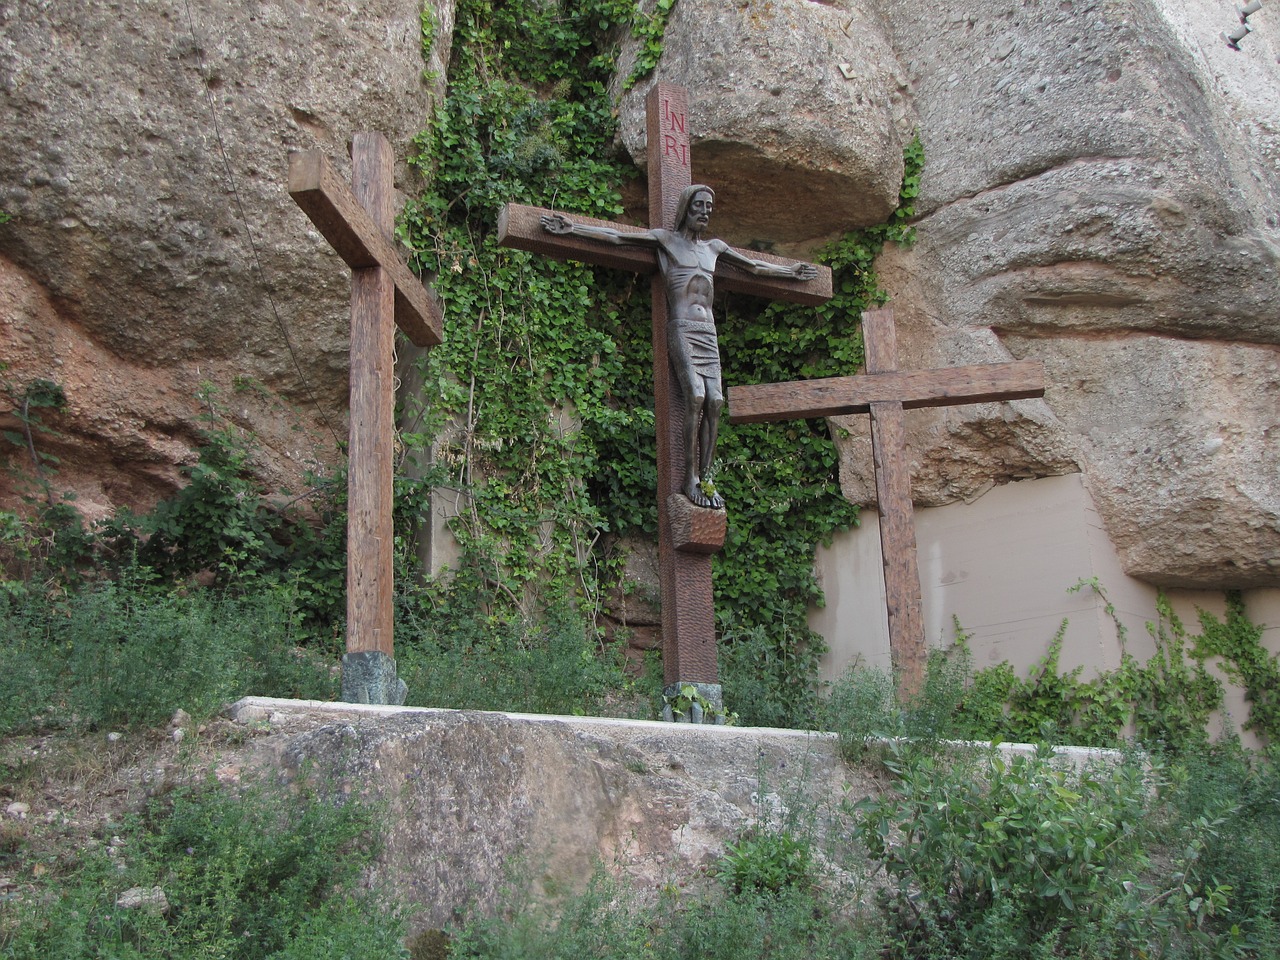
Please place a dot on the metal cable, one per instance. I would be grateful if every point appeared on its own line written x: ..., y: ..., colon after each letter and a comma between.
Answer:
x: 253, y: 247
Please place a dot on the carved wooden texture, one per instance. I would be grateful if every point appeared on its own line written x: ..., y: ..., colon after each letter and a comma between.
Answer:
x: 687, y: 535
x: 833, y: 396
x: 897, y: 526
x: 695, y: 529
x: 520, y: 227
x: 369, y: 482
x: 688, y: 604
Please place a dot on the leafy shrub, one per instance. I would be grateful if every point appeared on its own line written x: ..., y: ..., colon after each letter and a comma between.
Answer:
x: 993, y: 857
x: 1240, y: 794
x: 453, y: 655
x: 263, y: 873
x: 769, y: 676
x: 862, y: 705
x: 792, y: 924
x: 768, y: 861
x: 603, y: 922
x: 607, y: 923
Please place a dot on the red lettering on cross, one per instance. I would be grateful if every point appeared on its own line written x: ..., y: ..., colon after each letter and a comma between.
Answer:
x: 671, y: 147
x: 675, y: 121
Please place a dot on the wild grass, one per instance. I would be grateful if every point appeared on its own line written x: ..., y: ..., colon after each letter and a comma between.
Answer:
x: 121, y: 653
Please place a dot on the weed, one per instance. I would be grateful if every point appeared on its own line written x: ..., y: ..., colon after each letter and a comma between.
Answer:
x: 452, y: 655
x: 1003, y: 857
x: 766, y: 862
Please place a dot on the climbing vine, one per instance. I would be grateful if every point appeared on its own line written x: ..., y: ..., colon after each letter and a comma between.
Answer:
x: 1238, y: 642
x: 1166, y: 701
x: 540, y: 409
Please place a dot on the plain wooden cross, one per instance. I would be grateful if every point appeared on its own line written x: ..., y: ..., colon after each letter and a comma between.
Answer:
x: 358, y: 222
x: 885, y: 392
x: 687, y: 535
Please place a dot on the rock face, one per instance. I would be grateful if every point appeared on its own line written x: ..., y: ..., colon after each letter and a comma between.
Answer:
x: 797, y: 114
x: 474, y: 799
x: 1101, y: 191
x: 144, y: 163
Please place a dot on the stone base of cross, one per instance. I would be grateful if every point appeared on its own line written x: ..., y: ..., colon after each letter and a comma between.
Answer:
x: 358, y: 222
x: 885, y: 392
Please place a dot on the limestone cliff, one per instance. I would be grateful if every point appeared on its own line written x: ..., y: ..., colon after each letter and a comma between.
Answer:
x: 1101, y: 192
x: 153, y: 246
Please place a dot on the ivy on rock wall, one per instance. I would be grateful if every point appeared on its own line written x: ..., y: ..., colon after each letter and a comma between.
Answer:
x: 540, y: 403
x: 525, y: 358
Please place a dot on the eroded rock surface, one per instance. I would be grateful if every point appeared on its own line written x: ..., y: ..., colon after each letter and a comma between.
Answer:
x: 144, y: 164
x: 1101, y: 192
x: 798, y: 114
x: 474, y: 800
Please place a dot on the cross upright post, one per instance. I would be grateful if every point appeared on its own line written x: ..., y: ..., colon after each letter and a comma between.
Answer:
x: 688, y: 535
x: 358, y: 222
x: 885, y: 392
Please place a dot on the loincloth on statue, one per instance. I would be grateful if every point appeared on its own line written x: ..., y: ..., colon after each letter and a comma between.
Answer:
x: 695, y: 341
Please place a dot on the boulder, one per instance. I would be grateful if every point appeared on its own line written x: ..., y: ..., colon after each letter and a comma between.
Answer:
x: 473, y: 801
x: 797, y: 113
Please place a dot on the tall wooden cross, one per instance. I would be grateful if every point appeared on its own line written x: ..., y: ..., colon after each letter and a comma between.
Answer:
x: 358, y: 222
x: 885, y: 392
x: 687, y: 535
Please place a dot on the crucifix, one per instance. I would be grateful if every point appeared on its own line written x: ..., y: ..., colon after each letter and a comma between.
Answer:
x: 358, y: 222
x: 885, y: 392
x: 687, y: 397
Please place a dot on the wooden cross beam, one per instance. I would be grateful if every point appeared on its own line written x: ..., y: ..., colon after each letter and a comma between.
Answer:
x: 358, y: 222
x: 687, y: 535
x: 885, y: 392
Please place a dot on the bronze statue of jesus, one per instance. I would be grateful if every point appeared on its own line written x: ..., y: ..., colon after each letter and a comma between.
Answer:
x: 688, y: 265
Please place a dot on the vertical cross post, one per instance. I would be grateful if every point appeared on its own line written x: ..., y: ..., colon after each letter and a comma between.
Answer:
x: 687, y: 535
x: 897, y: 521
x: 358, y: 222
x: 370, y: 503
x: 688, y: 608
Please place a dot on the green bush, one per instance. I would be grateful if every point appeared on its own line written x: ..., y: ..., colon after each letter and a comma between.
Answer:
x: 767, y: 861
x: 126, y: 653
x: 1240, y: 793
x: 793, y: 924
x: 991, y: 857
x: 862, y: 706
x: 769, y: 676
x: 608, y: 923
x: 263, y: 873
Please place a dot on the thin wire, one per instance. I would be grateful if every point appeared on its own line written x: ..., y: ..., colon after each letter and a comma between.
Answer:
x: 253, y: 247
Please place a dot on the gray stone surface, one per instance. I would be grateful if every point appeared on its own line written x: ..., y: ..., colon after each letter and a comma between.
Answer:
x: 1102, y: 191
x: 797, y: 114
x: 473, y: 799
x: 707, y: 698
x: 369, y: 676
